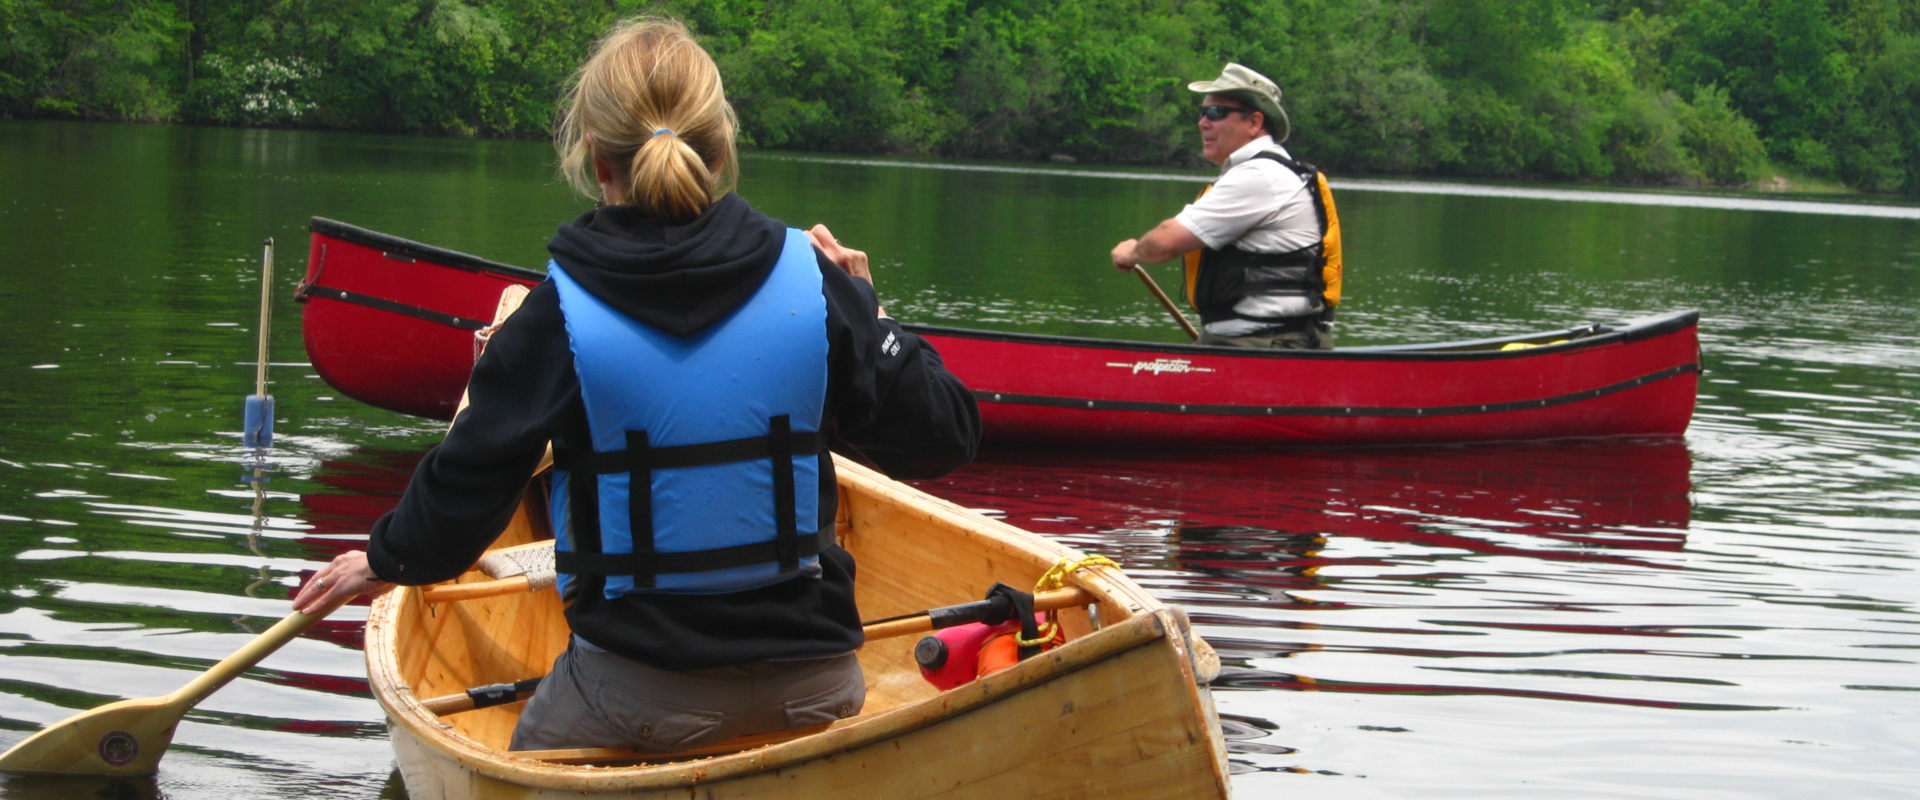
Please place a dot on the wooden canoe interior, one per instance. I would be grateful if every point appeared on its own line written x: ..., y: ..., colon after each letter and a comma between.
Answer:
x: 911, y: 556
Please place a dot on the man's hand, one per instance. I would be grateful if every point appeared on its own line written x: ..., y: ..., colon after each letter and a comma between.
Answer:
x: 1166, y: 241
x: 1124, y: 256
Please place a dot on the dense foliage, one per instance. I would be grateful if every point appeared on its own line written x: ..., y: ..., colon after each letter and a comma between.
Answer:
x: 1690, y: 92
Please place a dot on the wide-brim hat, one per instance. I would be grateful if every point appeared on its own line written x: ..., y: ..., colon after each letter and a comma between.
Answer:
x: 1253, y: 87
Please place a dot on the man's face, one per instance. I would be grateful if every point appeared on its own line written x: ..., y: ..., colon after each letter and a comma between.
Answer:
x: 1220, y: 137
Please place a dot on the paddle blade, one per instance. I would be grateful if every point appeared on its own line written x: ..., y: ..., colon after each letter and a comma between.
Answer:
x: 123, y: 738
x: 257, y: 421
x: 129, y: 737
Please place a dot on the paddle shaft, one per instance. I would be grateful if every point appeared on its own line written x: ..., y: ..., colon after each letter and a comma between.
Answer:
x: 266, y: 317
x: 944, y: 617
x: 286, y: 630
x: 1166, y: 302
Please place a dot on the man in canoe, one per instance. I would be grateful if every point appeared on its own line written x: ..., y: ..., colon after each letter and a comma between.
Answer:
x: 690, y: 360
x: 1262, y: 243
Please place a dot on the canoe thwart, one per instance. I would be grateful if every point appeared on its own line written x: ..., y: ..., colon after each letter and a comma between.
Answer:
x: 523, y: 568
x: 976, y: 611
x: 488, y: 696
x: 447, y: 593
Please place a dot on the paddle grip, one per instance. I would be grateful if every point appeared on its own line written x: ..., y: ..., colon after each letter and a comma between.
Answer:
x: 995, y: 608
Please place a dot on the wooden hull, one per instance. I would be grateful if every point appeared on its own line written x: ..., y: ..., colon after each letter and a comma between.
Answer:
x: 1117, y: 712
x: 390, y: 322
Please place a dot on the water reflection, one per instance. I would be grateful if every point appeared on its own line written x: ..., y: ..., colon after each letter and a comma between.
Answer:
x: 1408, y: 554
x: 148, y: 584
x: 1576, y: 500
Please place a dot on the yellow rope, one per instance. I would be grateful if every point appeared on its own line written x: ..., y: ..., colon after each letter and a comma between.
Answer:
x: 1056, y: 578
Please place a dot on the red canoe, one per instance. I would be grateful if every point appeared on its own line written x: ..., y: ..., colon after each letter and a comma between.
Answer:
x: 391, y: 322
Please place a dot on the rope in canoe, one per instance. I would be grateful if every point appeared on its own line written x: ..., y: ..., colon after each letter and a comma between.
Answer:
x: 1056, y: 578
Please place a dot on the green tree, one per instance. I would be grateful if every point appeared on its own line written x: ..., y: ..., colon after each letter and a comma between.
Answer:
x: 1880, y: 150
x: 1781, y: 64
x: 1639, y: 91
x: 92, y: 59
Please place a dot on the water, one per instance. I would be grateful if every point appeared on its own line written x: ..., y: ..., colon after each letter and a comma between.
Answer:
x: 1731, y: 614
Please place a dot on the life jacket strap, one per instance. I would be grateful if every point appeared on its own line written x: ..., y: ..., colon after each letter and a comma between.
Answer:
x: 655, y: 562
x: 777, y: 445
x: 641, y: 462
x: 640, y: 459
x: 786, y: 538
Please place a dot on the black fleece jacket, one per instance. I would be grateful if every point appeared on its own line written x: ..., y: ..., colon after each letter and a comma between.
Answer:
x: 889, y: 402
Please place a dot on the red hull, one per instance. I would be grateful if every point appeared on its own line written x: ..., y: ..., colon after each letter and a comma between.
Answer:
x: 390, y: 322
x: 1637, y: 378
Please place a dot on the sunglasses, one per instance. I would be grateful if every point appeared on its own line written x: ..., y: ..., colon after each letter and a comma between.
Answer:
x: 1217, y: 113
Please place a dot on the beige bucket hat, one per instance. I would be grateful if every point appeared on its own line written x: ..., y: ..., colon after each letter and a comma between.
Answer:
x: 1263, y: 94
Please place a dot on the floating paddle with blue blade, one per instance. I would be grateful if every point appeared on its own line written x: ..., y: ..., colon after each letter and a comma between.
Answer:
x: 257, y: 421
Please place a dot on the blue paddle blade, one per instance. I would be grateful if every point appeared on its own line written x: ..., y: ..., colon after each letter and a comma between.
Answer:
x: 257, y: 430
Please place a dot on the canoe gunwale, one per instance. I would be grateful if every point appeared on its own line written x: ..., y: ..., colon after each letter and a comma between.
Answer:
x: 394, y: 245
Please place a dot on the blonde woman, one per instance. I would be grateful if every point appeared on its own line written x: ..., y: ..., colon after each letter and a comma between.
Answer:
x: 691, y: 360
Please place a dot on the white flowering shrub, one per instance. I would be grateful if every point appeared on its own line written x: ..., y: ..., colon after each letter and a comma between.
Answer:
x: 264, y: 91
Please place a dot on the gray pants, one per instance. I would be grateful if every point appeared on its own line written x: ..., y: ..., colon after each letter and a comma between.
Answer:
x: 593, y: 698
x: 1315, y: 337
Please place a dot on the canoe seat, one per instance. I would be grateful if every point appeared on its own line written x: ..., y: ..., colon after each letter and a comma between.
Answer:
x: 609, y: 756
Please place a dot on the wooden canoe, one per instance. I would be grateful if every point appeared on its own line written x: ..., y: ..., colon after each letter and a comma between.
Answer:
x: 389, y: 322
x: 1120, y: 711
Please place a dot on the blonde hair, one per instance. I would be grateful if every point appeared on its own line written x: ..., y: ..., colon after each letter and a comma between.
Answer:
x: 648, y: 103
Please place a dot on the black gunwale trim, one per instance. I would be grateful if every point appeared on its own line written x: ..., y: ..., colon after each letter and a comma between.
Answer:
x: 1196, y: 409
x: 344, y: 296
x: 394, y: 245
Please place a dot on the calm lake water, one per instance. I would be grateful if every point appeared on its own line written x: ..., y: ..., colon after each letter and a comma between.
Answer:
x: 1727, y: 615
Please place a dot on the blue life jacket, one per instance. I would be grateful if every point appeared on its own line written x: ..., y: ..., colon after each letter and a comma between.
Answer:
x: 720, y: 430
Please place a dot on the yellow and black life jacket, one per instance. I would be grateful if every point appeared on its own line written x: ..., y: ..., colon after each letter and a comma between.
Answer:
x: 1217, y: 279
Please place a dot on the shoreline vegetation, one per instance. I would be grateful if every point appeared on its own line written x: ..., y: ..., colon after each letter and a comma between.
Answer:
x: 1768, y: 96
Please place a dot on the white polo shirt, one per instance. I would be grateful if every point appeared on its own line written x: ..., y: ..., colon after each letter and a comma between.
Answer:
x: 1260, y: 206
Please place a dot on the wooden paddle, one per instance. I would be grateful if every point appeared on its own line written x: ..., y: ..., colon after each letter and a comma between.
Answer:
x: 1166, y: 302
x: 128, y: 737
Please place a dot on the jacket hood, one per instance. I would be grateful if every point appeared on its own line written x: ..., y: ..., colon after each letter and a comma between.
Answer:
x: 680, y: 278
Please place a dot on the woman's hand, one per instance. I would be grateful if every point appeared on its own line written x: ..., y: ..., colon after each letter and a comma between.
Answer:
x: 853, y: 261
x: 344, y: 578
